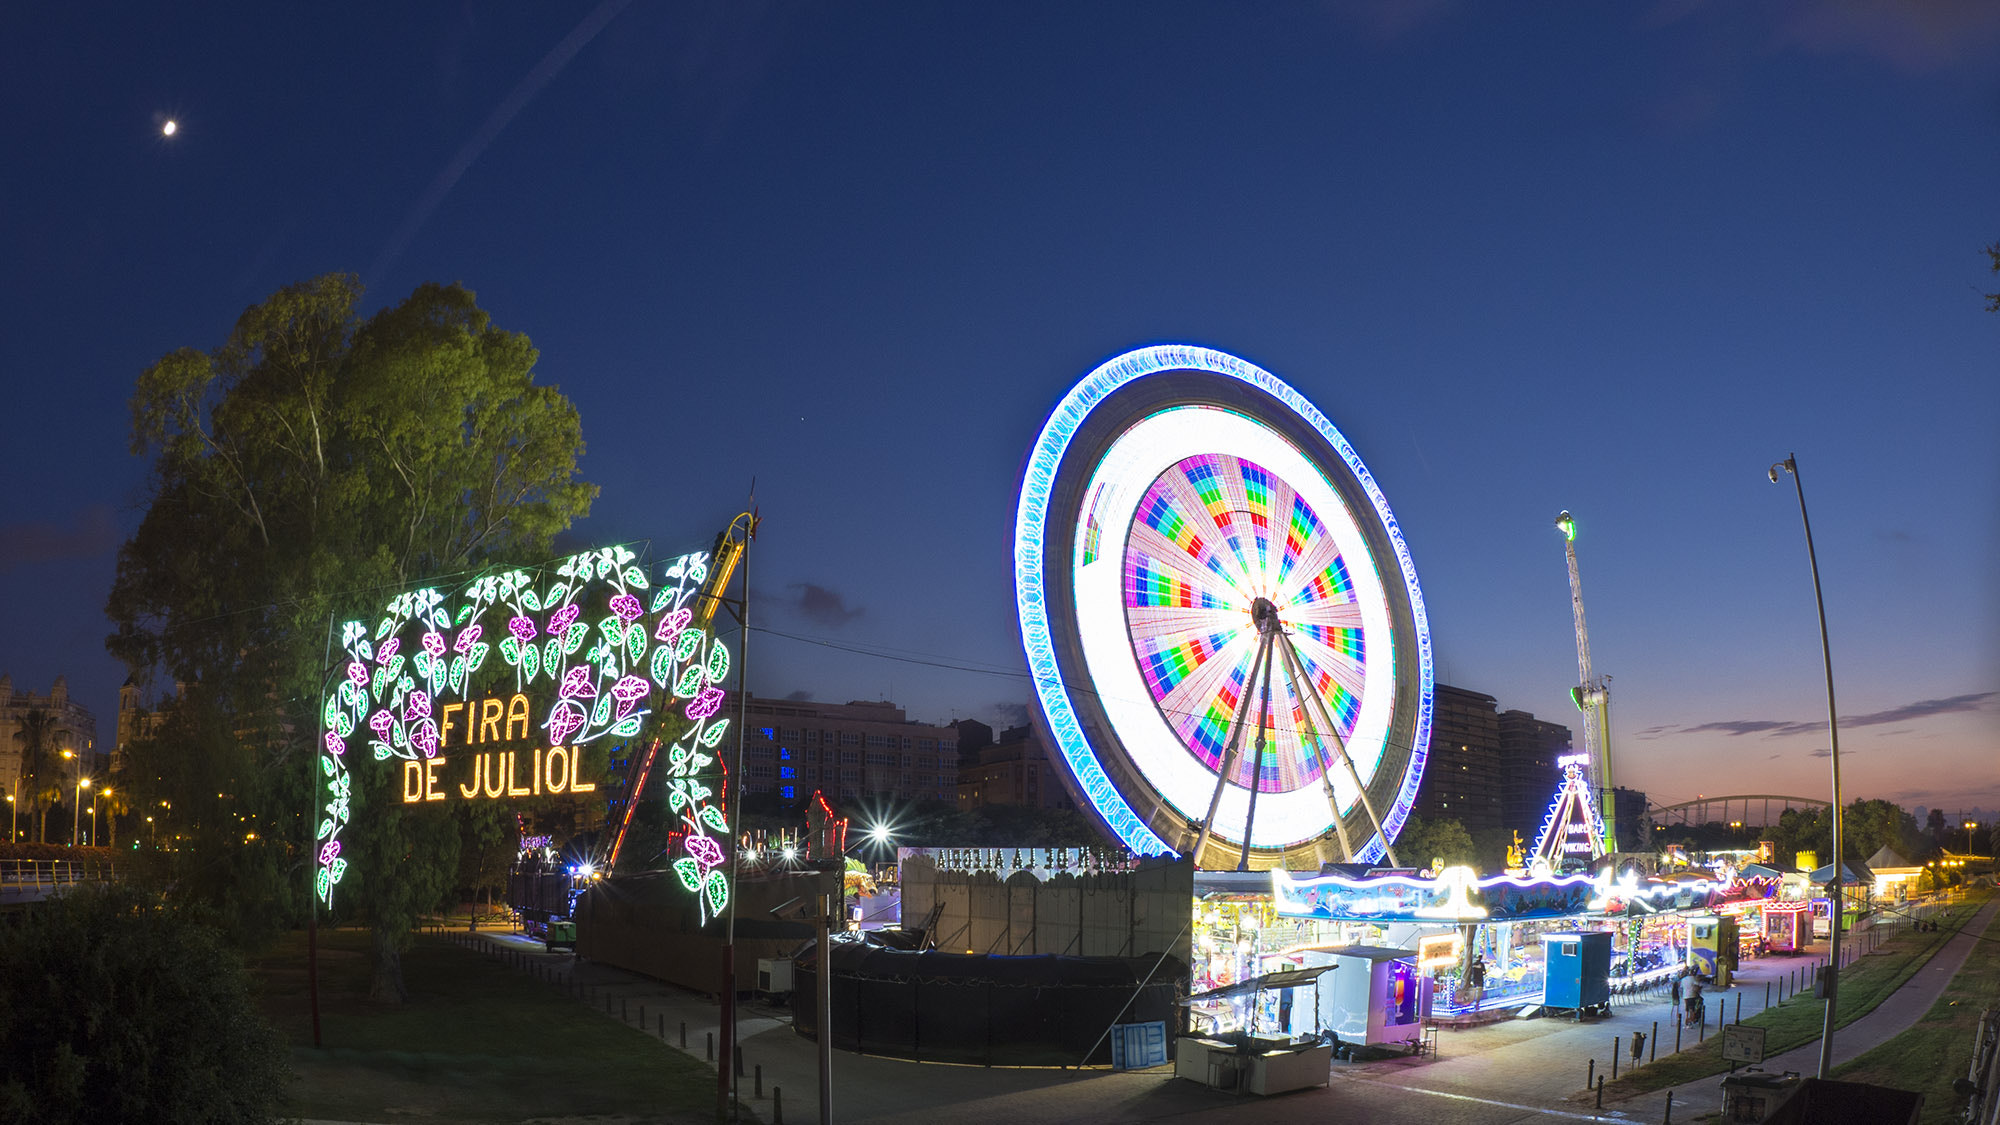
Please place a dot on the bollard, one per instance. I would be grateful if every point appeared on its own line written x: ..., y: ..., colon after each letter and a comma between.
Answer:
x: 1600, y: 1085
x: 1590, y: 1075
x: 1767, y: 994
x: 1670, y: 1109
x: 758, y: 1089
x: 1704, y: 1026
x: 739, y: 1061
x: 711, y: 1046
x: 1739, y: 1007
x: 777, y: 1106
x: 1678, y: 1021
x: 1614, y: 1058
x: 1654, y: 1052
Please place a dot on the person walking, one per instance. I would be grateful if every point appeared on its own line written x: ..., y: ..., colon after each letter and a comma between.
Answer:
x: 1475, y: 979
x: 1678, y: 979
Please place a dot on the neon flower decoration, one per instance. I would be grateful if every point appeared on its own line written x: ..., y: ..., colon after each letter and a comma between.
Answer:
x: 413, y: 680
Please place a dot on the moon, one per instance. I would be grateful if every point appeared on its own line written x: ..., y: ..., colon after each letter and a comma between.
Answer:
x: 169, y: 127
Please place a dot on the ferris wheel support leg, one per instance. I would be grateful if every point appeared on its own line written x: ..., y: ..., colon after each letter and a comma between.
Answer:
x: 1340, y: 747
x: 1299, y: 690
x: 1257, y: 763
x: 1229, y: 756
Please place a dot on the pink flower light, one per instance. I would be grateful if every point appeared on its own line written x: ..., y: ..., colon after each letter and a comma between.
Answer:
x: 388, y: 650
x: 672, y: 624
x: 419, y: 705
x: 705, y: 850
x: 627, y: 607
x: 358, y: 672
x: 564, y: 720
x: 381, y: 721
x: 335, y: 745
x: 629, y: 688
x: 466, y: 639
x: 522, y: 628
x: 564, y: 618
x: 434, y: 644
x: 425, y: 738
x: 327, y: 853
x: 705, y: 704
x: 577, y: 683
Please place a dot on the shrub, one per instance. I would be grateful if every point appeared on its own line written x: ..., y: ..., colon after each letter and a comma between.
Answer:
x: 119, y: 1010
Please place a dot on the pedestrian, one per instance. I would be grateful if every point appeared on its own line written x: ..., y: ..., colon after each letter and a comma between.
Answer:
x: 1475, y: 979
x: 1638, y: 1046
x: 1678, y: 978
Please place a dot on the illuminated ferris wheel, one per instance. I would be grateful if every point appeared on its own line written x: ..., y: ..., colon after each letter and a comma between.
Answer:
x: 1227, y: 639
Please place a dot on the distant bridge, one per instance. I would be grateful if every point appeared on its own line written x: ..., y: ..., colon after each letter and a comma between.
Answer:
x: 24, y: 881
x: 1752, y: 808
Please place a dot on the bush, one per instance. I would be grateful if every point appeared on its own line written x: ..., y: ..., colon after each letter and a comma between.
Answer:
x: 118, y: 1010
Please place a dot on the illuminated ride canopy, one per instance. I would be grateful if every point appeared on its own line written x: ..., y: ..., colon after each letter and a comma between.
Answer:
x: 491, y: 691
x: 1221, y: 617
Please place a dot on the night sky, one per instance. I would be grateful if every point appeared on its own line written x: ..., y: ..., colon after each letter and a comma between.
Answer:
x: 1614, y: 258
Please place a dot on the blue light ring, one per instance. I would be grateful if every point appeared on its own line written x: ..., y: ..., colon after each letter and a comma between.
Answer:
x: 1038, y: 483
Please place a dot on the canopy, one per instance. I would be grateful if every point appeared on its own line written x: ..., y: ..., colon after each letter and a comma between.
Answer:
x: 1287, y: 978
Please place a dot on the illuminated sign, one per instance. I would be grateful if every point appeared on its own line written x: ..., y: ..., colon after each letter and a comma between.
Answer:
x: 1457, y: 896
x: 1439, y: 951
x: 492, y: 690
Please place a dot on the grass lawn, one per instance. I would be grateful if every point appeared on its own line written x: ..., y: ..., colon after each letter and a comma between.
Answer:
x: 477, y: 1042
x: 1799, y: 1020
x: 1939, y: 1047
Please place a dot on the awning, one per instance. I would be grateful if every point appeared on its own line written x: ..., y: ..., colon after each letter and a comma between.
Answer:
x: 1287, y: 978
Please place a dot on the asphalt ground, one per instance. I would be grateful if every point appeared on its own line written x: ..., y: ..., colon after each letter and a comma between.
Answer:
x: 1511, y: 1070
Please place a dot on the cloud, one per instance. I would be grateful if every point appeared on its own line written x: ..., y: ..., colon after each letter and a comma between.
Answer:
x: 89, y: 533
x: 1738, y: 727
x: 1822, y: 752
x: 1780, y: 728
x: 799, y: 697
x: 820, y: 605
x: 1651, y: 733
x: 1922, y: 709
x: 1916, y: 36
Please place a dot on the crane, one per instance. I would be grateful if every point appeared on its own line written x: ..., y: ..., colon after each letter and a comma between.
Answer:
x: 1593, y: 700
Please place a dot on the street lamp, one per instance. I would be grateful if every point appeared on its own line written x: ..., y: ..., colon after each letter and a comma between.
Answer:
x: 1831, y: 975
x: 76, y: 810
x: 104, y: 792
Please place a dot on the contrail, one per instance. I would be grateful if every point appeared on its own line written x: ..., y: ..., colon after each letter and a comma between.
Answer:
x: 516, y: 100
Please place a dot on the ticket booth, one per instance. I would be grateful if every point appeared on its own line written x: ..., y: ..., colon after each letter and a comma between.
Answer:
x: 1711, y: 945
x: 1787, y: 926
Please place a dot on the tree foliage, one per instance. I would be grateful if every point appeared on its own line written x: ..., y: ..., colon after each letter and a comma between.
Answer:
x: 1866, y: 827
x: 40, y: 768
x: 304, y: 471
x: 1425, y: 841
x: 118, y: 1010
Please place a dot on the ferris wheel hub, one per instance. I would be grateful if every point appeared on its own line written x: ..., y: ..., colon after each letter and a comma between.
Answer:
x: 1264, y: 614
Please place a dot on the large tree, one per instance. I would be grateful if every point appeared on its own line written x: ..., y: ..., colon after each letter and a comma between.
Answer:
x: 303, y: 471
x: 40, y: 768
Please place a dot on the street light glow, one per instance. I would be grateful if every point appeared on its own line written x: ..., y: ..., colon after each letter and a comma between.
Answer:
x: 879, y: 833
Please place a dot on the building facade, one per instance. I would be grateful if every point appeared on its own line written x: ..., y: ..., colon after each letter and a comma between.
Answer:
x: 1013, y: 770
x: 72, y: 728
x: 1462, y: 774
x: 846, y: 750
x: 1529, y: 748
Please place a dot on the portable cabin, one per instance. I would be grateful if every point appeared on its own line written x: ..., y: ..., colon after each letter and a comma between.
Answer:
x: 1373, y: 997
x: 1576, y: 970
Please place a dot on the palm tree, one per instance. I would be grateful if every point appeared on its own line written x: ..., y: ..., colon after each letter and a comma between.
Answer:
x: 116, y: 803
x: 40, y: 768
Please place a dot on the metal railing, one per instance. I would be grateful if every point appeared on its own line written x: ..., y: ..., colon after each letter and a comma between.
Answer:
x: 30, y: 880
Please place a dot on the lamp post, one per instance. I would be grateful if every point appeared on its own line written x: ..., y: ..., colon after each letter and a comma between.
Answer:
x: 1831, y: 975
x: 76, y: 810
x: 104, y: 792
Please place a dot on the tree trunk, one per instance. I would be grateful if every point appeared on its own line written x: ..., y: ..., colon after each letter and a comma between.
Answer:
x: 388, y: 984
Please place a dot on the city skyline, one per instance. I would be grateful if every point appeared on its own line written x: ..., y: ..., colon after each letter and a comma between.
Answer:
x: 1520, y: 276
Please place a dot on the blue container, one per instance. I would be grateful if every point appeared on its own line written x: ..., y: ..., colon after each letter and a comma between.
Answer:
x: 1578, y: 970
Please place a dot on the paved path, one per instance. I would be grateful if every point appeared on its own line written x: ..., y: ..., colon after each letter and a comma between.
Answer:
x: 1895, y: 1015
x: 1511, y: 1071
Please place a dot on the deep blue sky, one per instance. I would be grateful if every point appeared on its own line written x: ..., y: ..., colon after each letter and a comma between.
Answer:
x: 1606, y: 257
